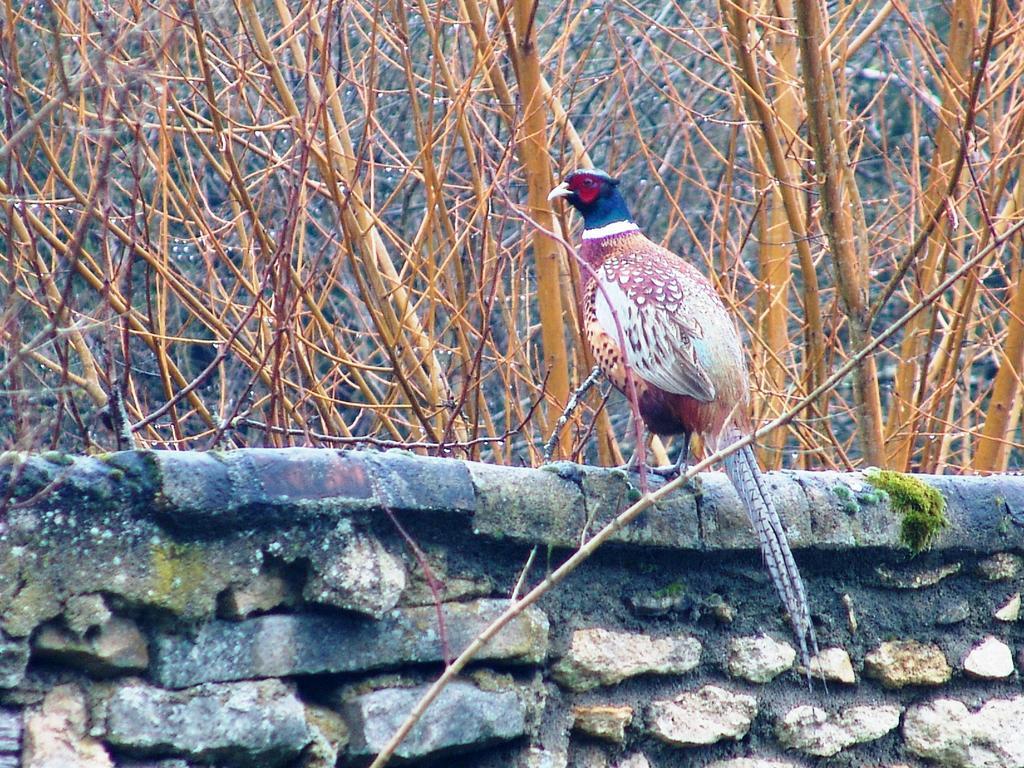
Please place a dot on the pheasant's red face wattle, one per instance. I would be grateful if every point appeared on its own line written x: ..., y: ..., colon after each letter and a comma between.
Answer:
x: 587, y: 188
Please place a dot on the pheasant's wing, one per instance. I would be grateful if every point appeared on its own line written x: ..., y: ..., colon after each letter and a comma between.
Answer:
x: 660, y: 345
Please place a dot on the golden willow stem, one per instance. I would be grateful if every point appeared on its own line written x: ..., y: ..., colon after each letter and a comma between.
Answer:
x: 840, y: 202
x: 737, y: 16
x: 946, y: 167
x: 533, y: 151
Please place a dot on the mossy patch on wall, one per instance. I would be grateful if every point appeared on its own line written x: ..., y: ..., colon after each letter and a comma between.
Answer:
x: 922, y: 508
x: 179, y: 575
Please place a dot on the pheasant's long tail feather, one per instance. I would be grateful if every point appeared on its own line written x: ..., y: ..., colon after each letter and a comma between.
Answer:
x: 743, y: 471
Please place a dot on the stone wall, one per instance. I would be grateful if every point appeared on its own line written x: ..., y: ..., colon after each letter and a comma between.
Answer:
x: 265, y: 608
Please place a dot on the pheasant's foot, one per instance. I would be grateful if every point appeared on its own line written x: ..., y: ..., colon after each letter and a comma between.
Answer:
x: 667, y: 473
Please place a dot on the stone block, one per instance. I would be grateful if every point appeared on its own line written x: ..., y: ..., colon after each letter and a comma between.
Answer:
x: 990, y: 659
x: 303, y: 644
x: 816, y: 732
x: 83, y: 612
x: 330, y: 737
x: 602, y: 657
x: 947, y: 732
x: 603, y: 721
x: 832, y: 664
x: 263, y: 593
x: 527, y: 505
x: 258, y: 723
x: 916, y: 577
x: 759, y: 659
x: 56, y: 734
x: 1010, y: 610
x: 1002, y: 566
x: 116, y: 646
x: 633, y: 760
x: 907, y: 662
x: 408, y: 482
x: 356, y: 572
x: 671, y: 522
x: 706, y: 716
x: 461, y: 718
x: 257, y: 487
x: 723, y: 520
x: 10, y: 731
x: 14, y: 653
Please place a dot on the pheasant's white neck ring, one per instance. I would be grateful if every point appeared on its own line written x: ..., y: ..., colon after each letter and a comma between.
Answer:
x: 615, y: 228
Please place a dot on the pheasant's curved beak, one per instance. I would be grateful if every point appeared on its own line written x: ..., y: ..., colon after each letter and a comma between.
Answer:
x: 562, y: 190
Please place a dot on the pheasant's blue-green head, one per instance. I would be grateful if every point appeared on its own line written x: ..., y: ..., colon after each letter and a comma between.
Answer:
x: 594, y: 194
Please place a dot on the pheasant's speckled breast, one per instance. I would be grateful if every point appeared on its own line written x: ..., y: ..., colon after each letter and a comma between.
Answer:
x: 681, y: 344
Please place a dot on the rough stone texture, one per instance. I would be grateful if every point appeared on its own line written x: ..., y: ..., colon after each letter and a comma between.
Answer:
x: 751, y: 762
x: 55, y: 735
x: 1002, y: 566
x: 354, y: 571
x: 83, y: 612
x: 14, y: 653
x: 1010, y: 610
x: 462, y: 716
x: 555, y: 756
x: 990, y: 659
x: 601, y: 657
x: 555, y: 504
x: 450, y: 586
x: 268, y: 486
x: 832, y: 664
x: 329, y: 737
x: 814, y: 731
x: 907, y: 662
x: 32, y: 604
x: 294, y: 644
x: 722, y: 612
x: 603, y: 722
x: 115, y: 646
x: 955, y: 612
x: 916, y: 578
x: 254, y: 723
x: 759, y: 659
x: 265, y: 592
x: 635, y: 760
x: 705, y: 716
x: 587, y: 754
x: 944, y: 730
x: 10, y: 735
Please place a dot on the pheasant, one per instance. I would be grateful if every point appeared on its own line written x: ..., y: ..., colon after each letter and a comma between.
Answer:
x: 684, y: 353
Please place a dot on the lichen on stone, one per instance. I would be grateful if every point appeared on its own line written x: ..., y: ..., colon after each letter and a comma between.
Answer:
x: 921, y: 507
x: 675, y: 589
x: 57, y: 457
x: 179, y: 575
x: 847, y: 502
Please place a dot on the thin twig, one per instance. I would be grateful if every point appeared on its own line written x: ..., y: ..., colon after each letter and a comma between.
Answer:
x: 570, y: 408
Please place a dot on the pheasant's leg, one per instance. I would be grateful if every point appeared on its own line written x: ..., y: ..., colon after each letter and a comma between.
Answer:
x: 674, y: 470
x: 633, y: 464
x: 570, y: 408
